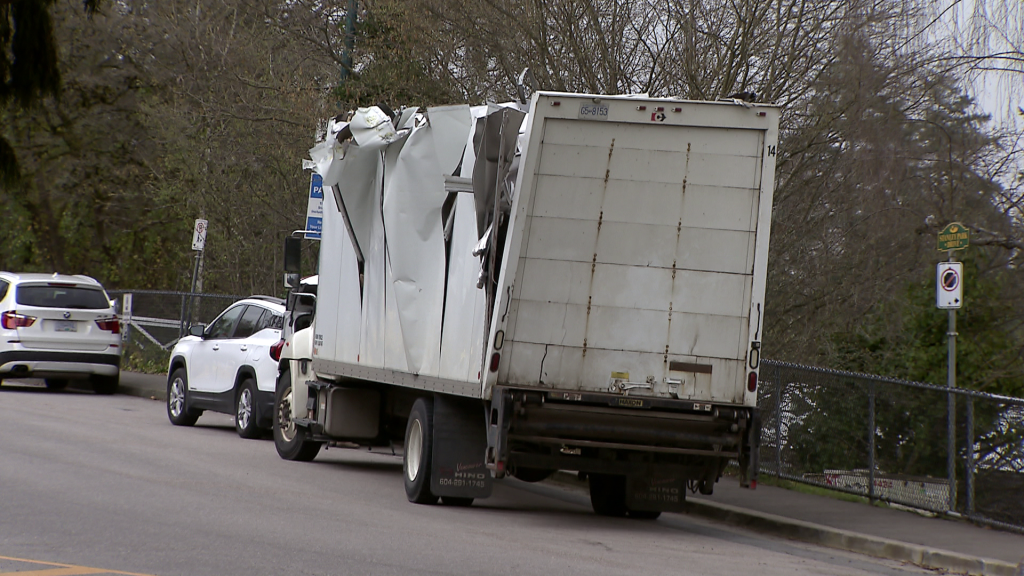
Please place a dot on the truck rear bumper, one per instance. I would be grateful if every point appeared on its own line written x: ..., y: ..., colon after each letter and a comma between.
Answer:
x: 602, y: 434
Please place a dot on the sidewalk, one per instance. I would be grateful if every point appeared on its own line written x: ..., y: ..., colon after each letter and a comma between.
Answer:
x: 144, y: 385
x: 939, y: 543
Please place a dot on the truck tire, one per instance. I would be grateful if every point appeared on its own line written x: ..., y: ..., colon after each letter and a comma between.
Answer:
x: 608, y: 497
x: 178, y: 411
x: 419, y: 433
x: 608, y: 494
x: 245, y: 410
x: 644, y: 514
x: 56, y: 383
x: 531, y: 474
x: 292, y: 442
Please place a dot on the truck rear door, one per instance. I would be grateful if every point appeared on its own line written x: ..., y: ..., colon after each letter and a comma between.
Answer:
x: 637, y: 261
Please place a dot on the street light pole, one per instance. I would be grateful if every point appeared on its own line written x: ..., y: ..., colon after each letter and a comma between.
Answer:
x: 350, y: 40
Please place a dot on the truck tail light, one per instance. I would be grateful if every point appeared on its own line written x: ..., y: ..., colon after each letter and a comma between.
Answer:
x: 275, y: 350
x: 752, y: 381
x: 495, y: 360
x: 110, y: 325
x: 12, y: 320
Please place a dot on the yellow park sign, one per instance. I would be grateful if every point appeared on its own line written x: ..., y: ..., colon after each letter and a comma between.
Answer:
x: 954, y: 236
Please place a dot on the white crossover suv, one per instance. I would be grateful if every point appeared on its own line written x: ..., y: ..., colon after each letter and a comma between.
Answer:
x: 229, y: 366
x: 58, y: 327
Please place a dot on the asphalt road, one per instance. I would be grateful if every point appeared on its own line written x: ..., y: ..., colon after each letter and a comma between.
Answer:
x: 104, y: 484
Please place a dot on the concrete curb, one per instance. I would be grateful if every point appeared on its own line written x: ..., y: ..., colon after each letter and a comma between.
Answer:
x: 827, y: 536
x: 152, y: 386
x: 129, y: 390
x: 851, y: 541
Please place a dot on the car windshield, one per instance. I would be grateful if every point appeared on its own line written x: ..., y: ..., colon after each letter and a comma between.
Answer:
x: 64, y: 296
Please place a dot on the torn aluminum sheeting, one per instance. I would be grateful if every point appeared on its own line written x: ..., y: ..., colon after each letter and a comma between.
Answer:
x: 495, y: 142
x: 362, y: 172
x: 338, y: 305
x: 468, y: 161
x: 484, y: 243
x: 407, y: 117
x: 358, y: 172
x: 463, y: 338
x: 373, y: 320
x: 451, y: 126
x: 327, y: 155
x: 413, y: 196
x: 372, y: 128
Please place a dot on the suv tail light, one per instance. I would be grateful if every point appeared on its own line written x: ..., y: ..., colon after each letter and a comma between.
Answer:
x: 110, y: 325
x: 12, y: 320
x: 275, y: 350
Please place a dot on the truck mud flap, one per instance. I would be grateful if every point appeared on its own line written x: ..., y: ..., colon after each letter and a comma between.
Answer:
x: 460, y: 444
x: 656, y: 491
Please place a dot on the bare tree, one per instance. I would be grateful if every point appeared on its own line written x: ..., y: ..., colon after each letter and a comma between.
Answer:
x: 235, y: 112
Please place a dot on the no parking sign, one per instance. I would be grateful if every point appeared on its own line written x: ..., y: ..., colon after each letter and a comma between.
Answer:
x: 949, y: 287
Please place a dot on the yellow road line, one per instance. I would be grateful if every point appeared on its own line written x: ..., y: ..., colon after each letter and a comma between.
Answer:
x: 73, y: 571
x: 62, y: 570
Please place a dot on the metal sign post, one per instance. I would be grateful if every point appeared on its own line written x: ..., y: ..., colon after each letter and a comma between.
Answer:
x: 949, y: 295
x: 198, y: 244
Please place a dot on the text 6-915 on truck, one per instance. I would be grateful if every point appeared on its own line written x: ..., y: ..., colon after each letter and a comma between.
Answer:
x: 570, y: 283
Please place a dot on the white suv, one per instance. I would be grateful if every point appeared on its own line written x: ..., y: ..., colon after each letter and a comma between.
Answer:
x: 59, y: 328
x: 229, y: 366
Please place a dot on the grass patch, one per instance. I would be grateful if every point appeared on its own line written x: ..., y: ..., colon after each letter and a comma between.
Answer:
x: 813, y: 490
x: 768, y: 480
x: 147, y: 358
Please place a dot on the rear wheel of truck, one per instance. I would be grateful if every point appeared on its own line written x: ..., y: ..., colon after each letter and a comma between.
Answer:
x: 56, y: 383
x: 644, y: 514
x: 608, y: 494
x: 292, y: 441
x: 419, y: 433
x: 532, y: 474
x: 608, y: 497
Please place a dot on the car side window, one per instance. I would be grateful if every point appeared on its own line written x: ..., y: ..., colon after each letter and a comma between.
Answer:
x: 225, y: 325
x: 3, y: 288
x: 270, y: 320
x: 247, y: 325
x: 276, y: 321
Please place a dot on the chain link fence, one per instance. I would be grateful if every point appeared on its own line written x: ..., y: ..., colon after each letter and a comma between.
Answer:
x: 887, y: 439
x: 881, y: 438
x: 154, y: 320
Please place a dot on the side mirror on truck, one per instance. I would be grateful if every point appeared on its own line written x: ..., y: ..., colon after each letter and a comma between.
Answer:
x: 292, y: 261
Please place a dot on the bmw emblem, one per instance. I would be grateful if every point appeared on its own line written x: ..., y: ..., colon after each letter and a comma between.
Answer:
x: 67, y: 315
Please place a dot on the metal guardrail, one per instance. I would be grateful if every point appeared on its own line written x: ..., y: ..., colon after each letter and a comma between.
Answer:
x: 885, y: 439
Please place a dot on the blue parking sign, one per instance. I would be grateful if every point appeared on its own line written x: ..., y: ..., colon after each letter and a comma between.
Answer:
x: 315, y: 207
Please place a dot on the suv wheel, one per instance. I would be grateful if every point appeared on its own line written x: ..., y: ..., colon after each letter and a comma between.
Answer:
x: 245, y: 410
x: 178, y: 411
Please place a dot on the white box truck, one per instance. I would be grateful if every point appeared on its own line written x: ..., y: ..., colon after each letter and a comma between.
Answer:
x: 571, y: 283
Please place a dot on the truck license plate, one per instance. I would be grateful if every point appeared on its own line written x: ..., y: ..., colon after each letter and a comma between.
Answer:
x: 65, y: 326
x: 593, y: 112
